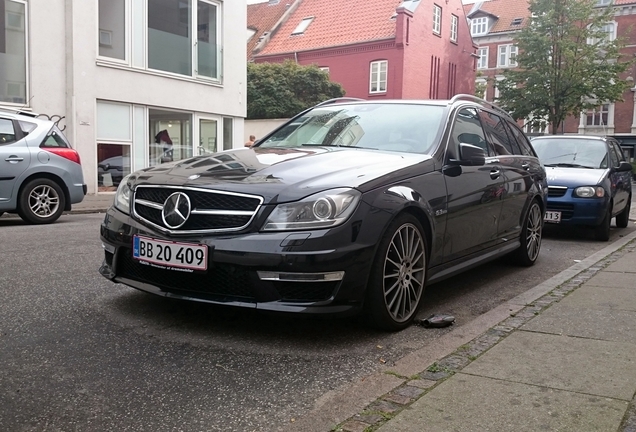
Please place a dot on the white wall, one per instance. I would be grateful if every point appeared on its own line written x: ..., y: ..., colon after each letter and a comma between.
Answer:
x: 67, y: 79
x: 260, y: 128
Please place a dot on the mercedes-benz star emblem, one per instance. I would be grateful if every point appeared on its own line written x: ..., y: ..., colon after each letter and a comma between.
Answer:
x: 176, y: 210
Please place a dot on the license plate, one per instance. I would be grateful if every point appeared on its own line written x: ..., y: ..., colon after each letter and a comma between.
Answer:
x: 552, y: 216
x: 170, y: 255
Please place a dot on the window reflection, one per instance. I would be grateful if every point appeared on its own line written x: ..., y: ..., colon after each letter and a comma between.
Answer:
x: 113, y: 164
x: 171, y: 137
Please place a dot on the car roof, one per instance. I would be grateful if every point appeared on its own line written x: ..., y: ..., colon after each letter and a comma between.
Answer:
x: 26, y: 116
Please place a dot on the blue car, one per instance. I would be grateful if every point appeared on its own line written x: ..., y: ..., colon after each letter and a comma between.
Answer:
x: 589, y: 181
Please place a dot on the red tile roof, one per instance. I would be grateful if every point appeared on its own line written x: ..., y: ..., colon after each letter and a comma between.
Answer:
x: 262, y: 17
x: 336, y: 23
x: 508, y: 10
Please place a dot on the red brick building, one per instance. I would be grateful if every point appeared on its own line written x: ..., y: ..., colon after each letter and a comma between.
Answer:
x: 493, y: 24
x: 377, y: 49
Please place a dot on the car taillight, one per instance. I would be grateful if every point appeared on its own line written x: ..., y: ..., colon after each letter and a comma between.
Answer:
x: 66, y: 153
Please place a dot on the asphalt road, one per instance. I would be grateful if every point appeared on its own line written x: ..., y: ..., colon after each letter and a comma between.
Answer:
x: 80, y: 353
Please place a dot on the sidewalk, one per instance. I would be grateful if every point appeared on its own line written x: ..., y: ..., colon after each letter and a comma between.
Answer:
x: 562, y: 361
x: 94, y: 203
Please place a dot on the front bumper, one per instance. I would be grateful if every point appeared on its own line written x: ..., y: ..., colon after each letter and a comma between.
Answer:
x: 240, y: 268
x: 579, y: 211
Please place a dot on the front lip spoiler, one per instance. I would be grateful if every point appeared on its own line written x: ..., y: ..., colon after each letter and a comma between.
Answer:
x: 274, y: 306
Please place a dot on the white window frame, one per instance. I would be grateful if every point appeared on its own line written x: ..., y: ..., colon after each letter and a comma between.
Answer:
x: 603, y: 2
x: 506, y: 54
x: 437, y: 19
x: 324, y: 69
x: 482, y: 61
x: 479, y: 26
x: 482, y: 81
x: 27, y: 75
x: 454, y: 27
x: 597, y: 116
x: 136, y: 27
x: 380, y: 85
x: 303, y: 25
x: 498, y: 79
x: 612, y: 32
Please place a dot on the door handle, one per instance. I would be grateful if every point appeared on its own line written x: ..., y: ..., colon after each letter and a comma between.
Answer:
x: 494, y: 174
x: 14, y: 158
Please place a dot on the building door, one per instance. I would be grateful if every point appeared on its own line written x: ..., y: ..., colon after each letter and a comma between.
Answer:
x: 208, y: 138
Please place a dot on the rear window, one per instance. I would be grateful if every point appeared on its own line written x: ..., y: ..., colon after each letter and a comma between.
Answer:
x: 55, y: 139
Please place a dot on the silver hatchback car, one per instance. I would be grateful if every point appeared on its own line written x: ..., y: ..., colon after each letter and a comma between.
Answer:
x: 40, y: 174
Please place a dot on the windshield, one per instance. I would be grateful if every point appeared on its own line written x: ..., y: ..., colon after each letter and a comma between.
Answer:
x: 568, y: 152
x: 405, y: 127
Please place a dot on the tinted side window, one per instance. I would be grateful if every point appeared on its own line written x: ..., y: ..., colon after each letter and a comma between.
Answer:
x: 619, y: 151
x: 7, y: 132
x: 54, y: 140
x: 495, y: 127
x: 522, y: 141
x: 614, y: 158
x: 467, y: 130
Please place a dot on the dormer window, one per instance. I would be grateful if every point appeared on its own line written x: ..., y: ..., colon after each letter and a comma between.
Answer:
x: 300, y: 29
x: 516, y: 21
x: 479, y: 26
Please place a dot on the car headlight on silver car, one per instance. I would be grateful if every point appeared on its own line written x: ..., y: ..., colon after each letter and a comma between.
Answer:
x: 322, y: 210
x: 589, y: 192
x: 122, y: 196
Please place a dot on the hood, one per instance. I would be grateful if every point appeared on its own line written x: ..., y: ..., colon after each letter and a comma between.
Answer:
x: 283, y: 174
x: 573, y: 177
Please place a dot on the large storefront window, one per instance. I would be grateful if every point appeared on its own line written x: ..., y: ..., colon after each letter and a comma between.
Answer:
x: 175, y: 36
x: 13, y: 66
x: 114, y: 142
x: 171, y: 136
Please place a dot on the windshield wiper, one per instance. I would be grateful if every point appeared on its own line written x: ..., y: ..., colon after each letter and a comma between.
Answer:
x: 568, y: 165
x: 321, y: 145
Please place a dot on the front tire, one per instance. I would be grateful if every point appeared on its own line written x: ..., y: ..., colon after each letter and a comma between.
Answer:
x: 398, y: 275
x: 622, y: 219
x: 602, y: 232
x: 531, y: 234
x: 41, y: 201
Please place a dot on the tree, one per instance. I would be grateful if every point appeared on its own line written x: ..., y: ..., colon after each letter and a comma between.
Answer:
x: 280, y: 90
x: 567, y: 63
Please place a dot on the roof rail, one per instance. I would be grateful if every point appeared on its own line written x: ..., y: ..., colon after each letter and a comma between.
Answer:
x: 479, y: 100
x: 340, y: 99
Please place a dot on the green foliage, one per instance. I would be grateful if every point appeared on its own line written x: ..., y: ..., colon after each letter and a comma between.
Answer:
x: 559, y: 73
x: 281, y: 90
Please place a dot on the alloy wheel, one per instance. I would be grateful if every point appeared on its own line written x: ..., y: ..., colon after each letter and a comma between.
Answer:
x: 404, y: 272
x: 44, y: 201
x: 533, y: 232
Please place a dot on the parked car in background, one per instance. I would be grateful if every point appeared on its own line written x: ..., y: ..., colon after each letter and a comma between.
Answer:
x: 589, y: 181
x: 40, y: 173
x: 351, y: 206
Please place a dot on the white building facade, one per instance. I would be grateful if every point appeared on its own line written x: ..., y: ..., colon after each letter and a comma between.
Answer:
x: 132, y: 83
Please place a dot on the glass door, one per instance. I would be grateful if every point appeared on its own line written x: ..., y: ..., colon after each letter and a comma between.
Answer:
x: 208, y: 136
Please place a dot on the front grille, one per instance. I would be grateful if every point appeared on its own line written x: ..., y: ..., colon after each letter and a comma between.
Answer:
x: 556, y: 191
x: 567, y: 210
x: 232, y: 212
x: 306, y: 291
x: 222, y: 280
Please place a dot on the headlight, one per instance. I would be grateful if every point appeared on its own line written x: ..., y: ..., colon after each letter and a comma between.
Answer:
x: 322, y: 210
x: 589, y: 192
x: 122, y: 196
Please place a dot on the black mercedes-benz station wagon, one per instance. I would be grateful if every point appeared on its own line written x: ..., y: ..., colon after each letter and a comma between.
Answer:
x: 351, y: 206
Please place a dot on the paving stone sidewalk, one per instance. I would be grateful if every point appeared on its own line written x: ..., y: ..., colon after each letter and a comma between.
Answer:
x: 564, y: 362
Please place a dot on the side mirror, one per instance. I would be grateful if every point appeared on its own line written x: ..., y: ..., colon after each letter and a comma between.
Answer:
x: 471, y: 155
x: 623, y: 167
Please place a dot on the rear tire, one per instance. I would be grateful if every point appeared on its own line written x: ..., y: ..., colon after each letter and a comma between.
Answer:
x: 41, y: 201
x: 622, y: 219
x: 398, y: 275
x: 602, y: 232
x: 531, y: 234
